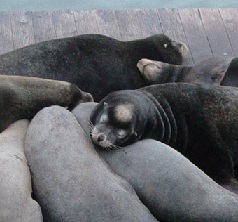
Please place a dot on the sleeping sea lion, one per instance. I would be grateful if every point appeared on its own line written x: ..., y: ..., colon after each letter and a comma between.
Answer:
x: 200, y: 121
x: 92, y: 61
x: 217, y: 71
x: 22, y: 97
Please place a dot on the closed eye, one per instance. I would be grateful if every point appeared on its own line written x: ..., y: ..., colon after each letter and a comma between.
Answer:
x: 121, y: 133
x: 103, y: 118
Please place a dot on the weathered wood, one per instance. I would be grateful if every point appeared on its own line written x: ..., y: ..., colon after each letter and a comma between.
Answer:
x: 6, y: 39
x: 22, y: 29
x: 195, y: 34
x: 129, y: 26
x: 172, y: 27
x: 149, y: 22
x: 207, y: 32
x: 86, y: 22
x: 230, y: 20
x: 216, y: 33
x: 43, y: 24
x: 108, y: 24
x: 64, y: 22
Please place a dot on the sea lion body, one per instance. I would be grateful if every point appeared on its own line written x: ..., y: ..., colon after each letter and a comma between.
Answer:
x: 216, y: 71
x: 15, y: 188
x: 71, y: 181
x: 91, y: 61
x: 167, y: 183
x: 22, y: 97
x: 200, y: 121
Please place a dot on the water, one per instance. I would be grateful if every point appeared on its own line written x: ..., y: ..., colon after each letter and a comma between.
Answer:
x: 33, y: 5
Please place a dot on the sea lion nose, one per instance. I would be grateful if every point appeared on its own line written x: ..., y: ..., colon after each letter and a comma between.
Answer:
x: 101, y: 137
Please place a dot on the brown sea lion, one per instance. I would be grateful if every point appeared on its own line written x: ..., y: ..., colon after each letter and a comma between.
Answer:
x: 92, y: 61
x: 22, y: 97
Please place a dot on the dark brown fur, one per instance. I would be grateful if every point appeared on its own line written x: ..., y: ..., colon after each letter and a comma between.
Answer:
x: 200, y: 121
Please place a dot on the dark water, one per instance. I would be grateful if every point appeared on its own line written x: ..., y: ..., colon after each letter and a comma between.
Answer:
x: 32, y: 5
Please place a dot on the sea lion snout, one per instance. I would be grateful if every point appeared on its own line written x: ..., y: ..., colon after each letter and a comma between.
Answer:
x: 101, y: 137
x: 87, y: 97
x: 182, y: 47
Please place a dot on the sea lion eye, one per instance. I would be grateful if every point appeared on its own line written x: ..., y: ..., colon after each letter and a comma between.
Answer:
x: 121, y: 133
x: 103, y: 119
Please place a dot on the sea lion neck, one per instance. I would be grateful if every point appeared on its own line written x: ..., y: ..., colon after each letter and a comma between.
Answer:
x: 172, y: 73
x: 181, y: 72
x: 174, y: 123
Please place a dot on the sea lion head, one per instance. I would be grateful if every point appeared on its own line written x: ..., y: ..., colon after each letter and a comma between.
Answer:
x: 113, y: 122
x: 174, y: 50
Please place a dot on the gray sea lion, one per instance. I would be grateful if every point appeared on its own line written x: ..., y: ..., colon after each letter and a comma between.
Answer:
x: 217, y: 71
x: 71, y: 181
x: 16, y: 203
x: 167, y: 183
x: 92, y: 61
x: 22, y: 97
x: 200, y: 121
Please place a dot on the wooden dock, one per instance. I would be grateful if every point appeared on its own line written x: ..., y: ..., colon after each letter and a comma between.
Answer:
x: 207, y: 32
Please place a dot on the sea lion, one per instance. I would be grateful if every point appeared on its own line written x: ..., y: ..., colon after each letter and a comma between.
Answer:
x: 200, y: 121
x: 71, y: 181
x: 15, y: 188
x: 91, y: 61
x: 169, y: 185
x: 22, y: 97
x: 217, y: 71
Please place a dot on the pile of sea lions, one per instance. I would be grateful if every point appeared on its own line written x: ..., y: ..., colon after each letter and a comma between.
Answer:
x: 160, y: 144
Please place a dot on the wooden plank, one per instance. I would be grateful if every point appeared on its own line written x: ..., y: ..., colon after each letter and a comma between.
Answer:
x: 216, y: 33
x: 64, y: 22
x: 129, y: 25
x: 43, y: 24
x: 195, y: 34
x: 22, y: 29
x: 149, y: 22
x: 230, y: 20
x: 202, y: 30
x: 86, y: 22
x: 108, y: 24
x: 6, y: 38
x: 172, y: 27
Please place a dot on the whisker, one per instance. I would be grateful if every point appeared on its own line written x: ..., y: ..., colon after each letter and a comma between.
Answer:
x: 115, y: 147
x: 119, y: 146
x: 107, y: 147
x: 90, y: 124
